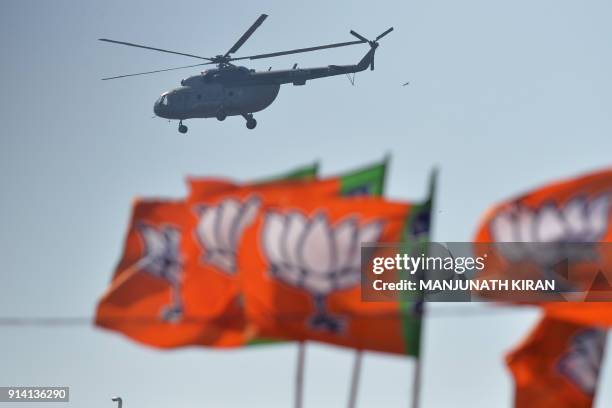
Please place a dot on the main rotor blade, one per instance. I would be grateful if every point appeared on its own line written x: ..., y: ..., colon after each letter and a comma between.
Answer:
x: 361, y: 37
x: 296, y: 51
x: 153, y: 72
x: 383, y: 34
x: 152, y: 48
x: 247, y: 34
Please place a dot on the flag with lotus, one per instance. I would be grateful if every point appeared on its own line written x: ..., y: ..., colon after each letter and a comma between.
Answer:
x: 219, y: 222
x: 561, y: 223
x: 146, y: 293
x: 146, y: 298
x: 558, y: 365
x: 560, y: 227
x: 301, y: 274
x: 189, y: 249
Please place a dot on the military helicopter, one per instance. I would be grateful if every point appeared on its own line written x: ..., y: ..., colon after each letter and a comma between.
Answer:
x: 231, y: 90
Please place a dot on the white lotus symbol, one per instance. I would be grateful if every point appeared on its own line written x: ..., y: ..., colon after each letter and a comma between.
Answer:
x: 582, y: 362
x: 220, y: 228
x: 316, y: 256
x: 162, y: 259
x: 579, y: 221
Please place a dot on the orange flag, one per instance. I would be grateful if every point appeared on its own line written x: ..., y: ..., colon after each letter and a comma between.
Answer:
x: 558, y: 365
x: 301, y: 273
x: 145, y: 295
x: 574, y: 211
x: 203, y: 186
x: 217, y: 223
x: 176, y: 283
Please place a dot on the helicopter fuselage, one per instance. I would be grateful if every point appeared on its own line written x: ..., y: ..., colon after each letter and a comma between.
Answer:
x: 232, y: 91
x: 214, y: 100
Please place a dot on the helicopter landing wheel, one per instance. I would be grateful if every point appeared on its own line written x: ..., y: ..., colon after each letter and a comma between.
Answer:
x: 250, y: 120
x: 221, y: 116
x: 182, y: 128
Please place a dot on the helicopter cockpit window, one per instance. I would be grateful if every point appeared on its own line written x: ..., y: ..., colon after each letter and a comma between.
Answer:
x: 164, y: 100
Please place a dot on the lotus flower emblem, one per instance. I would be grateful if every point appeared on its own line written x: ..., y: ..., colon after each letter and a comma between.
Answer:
x: 220, y: 228
x: 162, y: 259
x: 580, y: 220
x: 319, y: 257
x: 582, y: 362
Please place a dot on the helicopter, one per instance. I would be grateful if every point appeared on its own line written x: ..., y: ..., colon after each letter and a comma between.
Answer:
x: 232, y: 90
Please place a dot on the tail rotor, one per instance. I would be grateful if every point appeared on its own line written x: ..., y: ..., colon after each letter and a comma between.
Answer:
x: 373, y: 43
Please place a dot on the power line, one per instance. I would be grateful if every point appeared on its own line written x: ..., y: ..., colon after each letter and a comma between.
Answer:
x: 80, y: 321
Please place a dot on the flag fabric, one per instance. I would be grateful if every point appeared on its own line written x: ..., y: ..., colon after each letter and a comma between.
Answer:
x: 145, y: 293
x: 558, y: 365
x: 416, y: 236
x: 218, y: 222
x: 203, y: 186
x: 308, y: 172
x: 555, y: 216
x: 145, y: 300
x: 573, y: 211
x: 301, y: 273
x: 187, y: 297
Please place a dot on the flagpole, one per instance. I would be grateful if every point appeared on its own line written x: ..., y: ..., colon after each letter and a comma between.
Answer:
x: 299, y: 374
x: 355, y: 379
x: 416, y: 384
x: 418, y: 364
x: 359, y: 353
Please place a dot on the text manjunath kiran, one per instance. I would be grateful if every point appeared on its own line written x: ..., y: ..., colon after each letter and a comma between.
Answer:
x: 467, y: 285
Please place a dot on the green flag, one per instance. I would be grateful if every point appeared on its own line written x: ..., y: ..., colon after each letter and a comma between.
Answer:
x: 308, y: 172
x: 369, y: 180
x: 417, y: 234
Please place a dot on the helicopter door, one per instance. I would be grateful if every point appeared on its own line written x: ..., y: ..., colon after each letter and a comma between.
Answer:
x: 211, y: 98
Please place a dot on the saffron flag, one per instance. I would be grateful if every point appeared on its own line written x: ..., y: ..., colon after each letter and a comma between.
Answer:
x: 145, y: 292
x: 300, y: 265
x: 188, y: 297
x: 203, y: 186
x: 557, y: 365
x: 572, y: 211
x: 145, y: 300
x: 218, y: 223
x: 543, y: 234
x: 368, y: 180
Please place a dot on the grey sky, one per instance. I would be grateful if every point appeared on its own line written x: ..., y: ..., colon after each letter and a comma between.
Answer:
x: 502, y: 96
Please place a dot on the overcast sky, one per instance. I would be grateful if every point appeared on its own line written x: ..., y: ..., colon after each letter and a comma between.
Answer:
x: 502, y: 97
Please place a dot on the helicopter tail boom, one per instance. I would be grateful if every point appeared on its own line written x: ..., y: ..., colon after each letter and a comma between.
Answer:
x: 299, y: 76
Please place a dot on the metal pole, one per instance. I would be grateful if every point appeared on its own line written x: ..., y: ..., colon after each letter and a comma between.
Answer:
x: 299, y: 374
x: 355, y: 379
x: 416, y: 385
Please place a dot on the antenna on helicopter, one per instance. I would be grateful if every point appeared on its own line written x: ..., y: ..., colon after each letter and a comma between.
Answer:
x: 351, y: 78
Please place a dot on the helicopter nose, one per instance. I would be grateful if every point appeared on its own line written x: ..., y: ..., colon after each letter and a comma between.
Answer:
x: 157, y: 108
